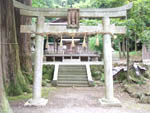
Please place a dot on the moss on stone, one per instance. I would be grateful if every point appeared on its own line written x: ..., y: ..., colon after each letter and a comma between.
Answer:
x: 97, y: 72
x: 139, y: 91
x: 26, y: 96
x: 18, y: 86
x: 5, y: 106
x: 28, y: 77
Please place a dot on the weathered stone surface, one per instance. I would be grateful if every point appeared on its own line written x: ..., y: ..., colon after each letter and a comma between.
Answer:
x: 110, y: 103
x: 61, y: 28
x: 145, y: 100
x: 54, y: 82
x: 142, y: 92
x: 84, y: 13
x: 38, y: 60
x: 109, y: 91
x: 38, y: 102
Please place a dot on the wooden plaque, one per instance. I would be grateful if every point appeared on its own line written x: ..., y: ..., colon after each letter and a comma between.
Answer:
x: 73, y: 18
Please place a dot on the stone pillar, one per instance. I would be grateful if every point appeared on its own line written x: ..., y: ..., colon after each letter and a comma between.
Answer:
x: 88, y: 59
x: 108, y: 60
x: 109, y: 93
x: 38, y: 64
x: 38, y: 59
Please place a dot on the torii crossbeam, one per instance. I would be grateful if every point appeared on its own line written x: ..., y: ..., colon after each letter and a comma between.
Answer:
x: 61, y: 28
x: 106, y: 28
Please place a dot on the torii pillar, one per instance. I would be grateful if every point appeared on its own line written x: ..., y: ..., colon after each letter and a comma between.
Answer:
x: 38, y: 63
x: 109, y: 99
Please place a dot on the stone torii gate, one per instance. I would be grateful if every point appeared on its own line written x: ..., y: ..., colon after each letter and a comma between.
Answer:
x: 106, y: 28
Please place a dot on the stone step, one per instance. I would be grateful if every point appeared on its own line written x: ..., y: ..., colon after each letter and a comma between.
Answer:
x: 72, y: 85
x: 72, y: 82
x: 76, y: 74
x: 72, y: 69
x: 72, y: 79
x: 71, y: 72
x: 72, y: 76
x: 72, y: 66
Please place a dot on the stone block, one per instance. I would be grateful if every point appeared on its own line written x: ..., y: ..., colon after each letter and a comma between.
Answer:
x: 36, y: 102
x: 110, y: 102
x: 54, y: 82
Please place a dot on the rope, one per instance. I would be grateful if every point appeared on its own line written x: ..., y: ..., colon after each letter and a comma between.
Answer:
x: 84, y: 41
x: 70, y: 34
x: 73, y: 43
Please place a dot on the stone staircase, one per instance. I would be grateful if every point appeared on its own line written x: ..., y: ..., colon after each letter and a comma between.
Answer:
x: 72, y: 75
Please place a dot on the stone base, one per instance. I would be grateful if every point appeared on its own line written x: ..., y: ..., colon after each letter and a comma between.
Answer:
x: 110, y: 103
x: 37, y: 102
x: 91, y: 83
x: 54, y: 83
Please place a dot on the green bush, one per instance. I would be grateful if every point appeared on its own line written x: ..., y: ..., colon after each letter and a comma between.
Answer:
x: 97, y: 72
x: 48, y: 71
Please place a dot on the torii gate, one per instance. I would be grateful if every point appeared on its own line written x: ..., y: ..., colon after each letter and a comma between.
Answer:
x: 106, y: 28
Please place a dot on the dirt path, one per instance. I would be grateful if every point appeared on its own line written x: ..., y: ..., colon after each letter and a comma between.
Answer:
x: 83, y: 100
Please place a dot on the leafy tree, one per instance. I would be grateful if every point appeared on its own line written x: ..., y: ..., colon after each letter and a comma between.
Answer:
x: 39, y: 3
x: 92, y: 42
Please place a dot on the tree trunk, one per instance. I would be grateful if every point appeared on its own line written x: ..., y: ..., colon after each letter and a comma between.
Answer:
x: 14, y: 81
x: 4, y: 105
x: 119, y: 45
x: 24, y: 41
x: 128, y: 60
x: 135, y: 43
x: 123, y: 47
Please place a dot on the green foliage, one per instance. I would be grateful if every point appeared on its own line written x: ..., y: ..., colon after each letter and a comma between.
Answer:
x: 25, y: 96
x: 17, y: 87
x: 48, y: 71
x: 90, y: 21
x: 145, y: 36
x: 97, y: 72
x: 92, y: 42
x: 102, y: 77
x: 135, y: 53
x: 84, y: 4
x: 39, y: 3
x: 140, y: 13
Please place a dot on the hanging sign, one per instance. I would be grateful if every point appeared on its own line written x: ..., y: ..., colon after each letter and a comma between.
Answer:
x: 73, y: 18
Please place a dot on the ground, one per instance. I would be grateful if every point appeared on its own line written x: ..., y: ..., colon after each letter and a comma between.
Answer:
x: 83, y: 100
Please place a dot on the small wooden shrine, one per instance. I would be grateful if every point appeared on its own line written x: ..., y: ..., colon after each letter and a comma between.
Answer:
x: 65, y: 47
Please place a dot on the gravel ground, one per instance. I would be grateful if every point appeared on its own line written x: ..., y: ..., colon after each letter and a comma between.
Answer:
x: 83, y: 100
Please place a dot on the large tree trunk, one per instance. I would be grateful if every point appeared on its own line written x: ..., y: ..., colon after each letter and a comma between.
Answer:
x: 24, y: 41
x: 4, y: 105
x: 14, y: 81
